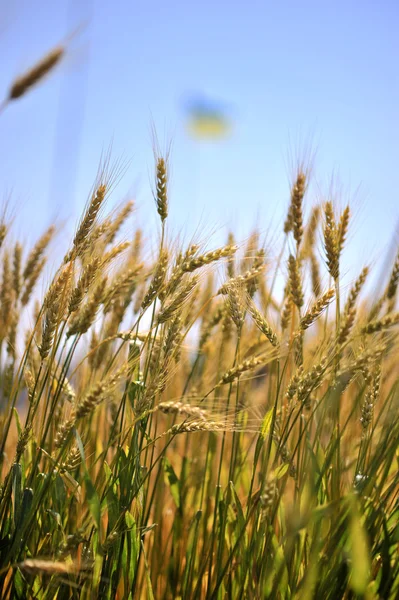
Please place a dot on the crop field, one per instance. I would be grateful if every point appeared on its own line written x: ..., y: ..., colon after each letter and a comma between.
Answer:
x: 193, y: 422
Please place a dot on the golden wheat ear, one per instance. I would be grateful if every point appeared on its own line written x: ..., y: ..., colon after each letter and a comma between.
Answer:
x: 36, y: 73
x: 161, y: 196
x: 33, y: 76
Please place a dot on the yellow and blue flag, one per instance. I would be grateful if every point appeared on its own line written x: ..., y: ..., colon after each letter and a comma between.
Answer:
x: 207, y: 119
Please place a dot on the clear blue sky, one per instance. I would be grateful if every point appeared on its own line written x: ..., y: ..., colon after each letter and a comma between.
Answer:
x: 288, y: 71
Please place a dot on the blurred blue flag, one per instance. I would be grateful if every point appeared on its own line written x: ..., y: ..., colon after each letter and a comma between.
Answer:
x: 207, y: 119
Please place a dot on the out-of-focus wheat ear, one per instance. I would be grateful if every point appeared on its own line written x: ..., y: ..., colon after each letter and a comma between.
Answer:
x: 64, y: 430
x: 55, y: 302
x: 207, y: 291
x: 12, y: 334
x: 3, y: 232
x: 250, y: 251
x: 295, y: 282
x: 117, y: 223
x: 230, y: 264
x: 247, y: 365
x: 114, y: 252
x: 85, y: 317
x: 191, y: 264
x: 161, y: 182
x: 6, y: 292
x: 346, y: 325
x: 243, y: 280
x: 317, y: 309
x: 137, y: 245
x: 381, y: 324
x: 37, y: 566
x: 370, y: 400
x: 288, y: 224
x: 266, y: 298
x: 84, y: 283
x: 176, y: 275
x: 93, y: 349
x: 92, y: 243
x: 393, y: 280
x: 171, y: 346
x: 343, y: 229
x: 298, y: 348
x: 17, y: 258
x: 257, y: 264
x: 315, y: 275
x: 178, y: 299
x: 310, y: 380
x: 226, y: 327
x: 30, y: 382
x: 37, y: 252
x: 293, y: 384
x: 286, y: 312
x: 23, y: 441
x: 283, y: 449
x: 35, y: 74
x: 192, y: 308
x: 331, y: 242
x: 310, y: 233
x: 60, y: 287
x: 72, y: 460
x: 97, y: 394
x: 101, y: 353
x: 267, y: 498
x: 153, y: 357
x: 89, y: 217
x: 369, y: 356
x: 121, y: 288
x: 31, y: 282
x: 156, y: 386
x: 139, y: 297
x: 180, y: 408
x: 7, y: 380
x: 355, y: 290
x: 157, y: 280
x: 297, y: 195
x: 129, y: 336
x: 111, y: 538
x: 209, y: 324
x: 67, y: 390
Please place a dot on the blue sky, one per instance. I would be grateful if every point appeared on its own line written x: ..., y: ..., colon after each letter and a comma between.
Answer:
x: 289, y: 72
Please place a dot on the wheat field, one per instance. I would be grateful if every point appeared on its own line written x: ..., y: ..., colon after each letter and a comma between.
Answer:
x: 196, y: 422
